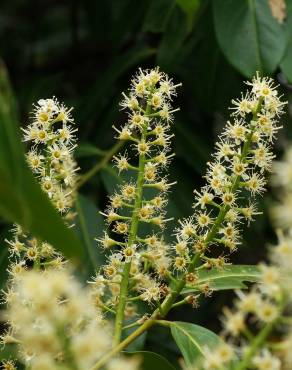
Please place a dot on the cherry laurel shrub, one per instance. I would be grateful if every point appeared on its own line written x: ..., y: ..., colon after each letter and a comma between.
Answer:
x: 56, y: 323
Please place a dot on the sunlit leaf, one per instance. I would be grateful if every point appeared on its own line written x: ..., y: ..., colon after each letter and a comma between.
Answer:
x: 229, y: 277
x: 192, y: 340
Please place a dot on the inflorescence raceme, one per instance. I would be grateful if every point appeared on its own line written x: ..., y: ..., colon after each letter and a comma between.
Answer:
x: 236, y: 173
x: 264, y: 312
x: 145, y: 267
x: 51, y: 139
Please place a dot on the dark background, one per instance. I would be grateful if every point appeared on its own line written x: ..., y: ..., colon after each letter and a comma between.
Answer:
x: 85, y: 52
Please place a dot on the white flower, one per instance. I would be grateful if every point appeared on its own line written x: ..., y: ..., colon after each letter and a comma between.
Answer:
x: 266, y: 361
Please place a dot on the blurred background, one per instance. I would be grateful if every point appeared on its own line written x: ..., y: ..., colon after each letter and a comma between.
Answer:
x: 85, y: 52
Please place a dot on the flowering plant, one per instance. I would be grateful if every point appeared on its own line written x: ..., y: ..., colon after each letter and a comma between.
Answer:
x: 56, y: 324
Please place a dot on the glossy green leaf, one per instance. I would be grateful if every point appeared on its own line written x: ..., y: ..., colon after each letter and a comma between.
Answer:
x: 192, y: 340
x: 21, y: 198
x: 249, y: 36
x: 286, y: 64
x: 230, y: 277
x: 217, y: 82
x: 152, y: 361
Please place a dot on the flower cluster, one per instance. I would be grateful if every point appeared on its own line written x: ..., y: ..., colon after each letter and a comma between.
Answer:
x: 234, y: 177
x: 51, y: 138
x: 256, y: 314
x: 266, y: 307
x: 136, y: 213
x: 55, y: 324
x: 281, y: 254
x: 282, y: 180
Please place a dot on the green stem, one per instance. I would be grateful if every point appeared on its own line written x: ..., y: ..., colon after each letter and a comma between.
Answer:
x: 132, y: 238
x: 101, y: 164
x: 147, y: 324
x: 180, y: 303
x: 66, y: 344
x: 106, y: 308
x: 257, y: 343
x: 248, y: 334
x: 37, y: 262
x: 136, y: 323
x: 171, y: 298
x: 260, y: 339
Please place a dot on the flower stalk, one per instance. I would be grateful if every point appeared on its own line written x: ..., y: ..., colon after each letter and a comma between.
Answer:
x: 257, y: 343
x: 132, y: 239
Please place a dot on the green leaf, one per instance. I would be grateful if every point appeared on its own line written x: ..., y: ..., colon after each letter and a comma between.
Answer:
x: 217, y: 82
x: 29, y: 206
x: 230, y: 277
x: 21, y: 198
x: 152, y: 361
x: 189, y: 6
x: 175, y: 34
x: 158, y: 14
x: 249, y: 36
x: 191, y: 340
x: 10, y: 150
x: 8, y: 352
x: 286, y: 64
x: 89, y: 226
